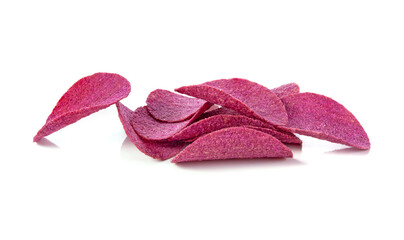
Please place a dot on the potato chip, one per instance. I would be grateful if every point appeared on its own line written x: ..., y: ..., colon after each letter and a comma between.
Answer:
x: 233, y: 143
x: 243, y: 96
x: 286, y: 89
x: 167, y: 106
x: 283, y: 136
x: 218, y: 111
x: 215, y: 123
x: 322, y: 117
x: 151, y: 129
x: 157, y: 150
x: 88, y: 95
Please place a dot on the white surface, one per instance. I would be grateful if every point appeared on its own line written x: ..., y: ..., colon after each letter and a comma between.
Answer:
x: 88, y: 182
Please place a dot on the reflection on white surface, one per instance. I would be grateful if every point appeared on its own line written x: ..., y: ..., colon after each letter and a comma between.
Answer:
x: 349, y: 150
x: 296, y: 148
x: 240, y: 163
x: 130, y: 152
x: 47, y: 143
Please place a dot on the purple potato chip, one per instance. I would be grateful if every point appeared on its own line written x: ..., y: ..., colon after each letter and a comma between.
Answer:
x: 218, y: 111
x: 151, y: 129
x: 322, y: 117
x: 283, y: 136
x: 88, y: 95
x: 157, y: 150
x: 232, y: 143
x: 167, y: 106
x: 190, y: 140
x: 286, y: 89
x: 215, y: 123
x: 243, y: 96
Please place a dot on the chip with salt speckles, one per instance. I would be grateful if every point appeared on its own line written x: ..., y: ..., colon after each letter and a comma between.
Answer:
x: 215, y: 123
x: 243, y: 96
x: 167, y: 106
x: 319, y: 116
x: 88, y: 95
x: 157, y: 150
x: 286, y: 89
x: 151, y: 129
x: 233, y: 143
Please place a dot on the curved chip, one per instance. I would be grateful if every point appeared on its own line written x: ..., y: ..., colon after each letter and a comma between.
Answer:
x: 232, y: 143
x: 286, y: 89
x: 322, y: 117
x: 215, y: 123
x: 218, y: 111
x: 243, y: 96
x: 167, y: 106
x: 151, y: 129
x: 283, y: 136
x: 88, y: 95
x: 157, y: 150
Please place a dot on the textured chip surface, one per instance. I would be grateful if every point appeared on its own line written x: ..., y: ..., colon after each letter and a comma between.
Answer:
x: 232, y: 143
x: 88, y: 95
x: 215, y: 123
x: 157, y: 150
x: 243, y: 96
x: 151, y: 129
x: 167, y: 106
x: 218, y: 111
x: 322, y: 117
x: 283, y: 136
x: 286, y: 89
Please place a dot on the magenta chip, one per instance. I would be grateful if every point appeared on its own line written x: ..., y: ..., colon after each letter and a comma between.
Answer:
x: 151, y: 129
x: 283, y: 136
x: 243, y: 96
x: 252, y: 122
x: 322, y: 117
x: 88, y: 95
x: 286, y: 89
x: 218, y: 111
x: 215, y: 123
x: 233, y: 143
x: 157, y: 150
x: 167, y: 106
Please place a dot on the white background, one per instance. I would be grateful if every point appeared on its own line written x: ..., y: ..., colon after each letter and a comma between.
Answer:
x: 87, y: 182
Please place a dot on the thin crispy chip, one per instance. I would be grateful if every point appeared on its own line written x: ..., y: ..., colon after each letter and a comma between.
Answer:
x: 215, y: 123
x: 286, y: 89
x: 151, y: 129
x: 243, y: 96
x: 157, y: 150
x: 88, y: 95
x: 218, y: 111
x: 232, y: 143
x: 283, y: 136
x: 167, y: 106
x: 322, y: 117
